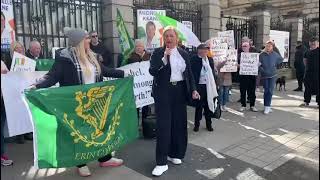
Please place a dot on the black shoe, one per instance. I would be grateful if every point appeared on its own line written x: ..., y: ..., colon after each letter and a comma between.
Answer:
x: 196, y: 128
x: 209, y: 128
x: 298, y: 89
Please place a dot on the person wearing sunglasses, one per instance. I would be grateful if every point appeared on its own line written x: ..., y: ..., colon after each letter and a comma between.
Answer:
x: 97, y: 47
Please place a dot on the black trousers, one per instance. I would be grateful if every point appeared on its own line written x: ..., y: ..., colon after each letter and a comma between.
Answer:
x: 299, y: 76
x: 203, y: 105
x: 145, y: 111
x: 311, y: 88
x: 171, y: 114
x: 247, y: 86
x: 102, y: 159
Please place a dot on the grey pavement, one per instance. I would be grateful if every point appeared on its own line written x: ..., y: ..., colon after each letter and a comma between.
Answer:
x: 244, y: 146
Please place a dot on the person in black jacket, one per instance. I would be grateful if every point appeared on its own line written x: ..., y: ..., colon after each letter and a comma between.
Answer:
x: 78, y: 65
x: 299, y: 65
x: 97, y: 47
x: 173, y: 85
x: 34, y: 51
x: 139, y: 55
x: 203, y: 71
x: 311, y: 77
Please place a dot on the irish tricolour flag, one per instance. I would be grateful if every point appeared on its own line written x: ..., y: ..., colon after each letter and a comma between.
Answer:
x: 185, y: 34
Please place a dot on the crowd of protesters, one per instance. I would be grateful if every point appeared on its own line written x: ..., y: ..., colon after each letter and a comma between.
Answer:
x: 180, y: 77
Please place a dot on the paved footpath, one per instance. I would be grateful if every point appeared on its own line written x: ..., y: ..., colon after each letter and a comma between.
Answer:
x: 283, y: 145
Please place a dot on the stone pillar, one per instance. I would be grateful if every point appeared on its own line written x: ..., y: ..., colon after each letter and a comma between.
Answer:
x: 211, y: 18
x: 263, y: 26
x: 295, y: 36
x: 110, y: 32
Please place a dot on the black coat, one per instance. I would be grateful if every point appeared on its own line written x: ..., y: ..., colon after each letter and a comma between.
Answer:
x: 298, y: 59
x: 104, y: 52
x: 29, y: 55
x: 65, y: 73
x: 162, y: 73
x: 196, y: 66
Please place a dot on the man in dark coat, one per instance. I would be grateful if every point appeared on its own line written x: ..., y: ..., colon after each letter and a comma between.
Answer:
x: 97, y: 47
x: 311, y: 77
x: 299, y: 65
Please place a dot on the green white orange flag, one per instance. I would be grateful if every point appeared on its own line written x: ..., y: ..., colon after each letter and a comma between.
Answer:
x: 185, y: 34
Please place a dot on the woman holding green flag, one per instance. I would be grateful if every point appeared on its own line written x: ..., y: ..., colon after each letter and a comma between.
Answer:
x: 78, y: 65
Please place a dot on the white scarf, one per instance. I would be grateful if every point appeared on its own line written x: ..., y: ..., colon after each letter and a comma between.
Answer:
x: 211, y: 86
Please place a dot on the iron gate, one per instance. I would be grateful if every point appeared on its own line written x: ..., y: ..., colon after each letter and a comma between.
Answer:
x: 44, y: 20
x: 179, y: 10
x: 241, y: 27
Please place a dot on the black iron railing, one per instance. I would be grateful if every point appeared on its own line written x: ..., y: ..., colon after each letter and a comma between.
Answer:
x: 44, y: 20
x: 242, y: 27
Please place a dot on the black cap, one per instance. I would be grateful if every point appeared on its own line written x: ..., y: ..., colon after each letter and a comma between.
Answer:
x: 202, y: 46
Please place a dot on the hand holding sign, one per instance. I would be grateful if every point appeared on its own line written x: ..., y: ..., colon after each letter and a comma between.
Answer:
x: 249, y: 63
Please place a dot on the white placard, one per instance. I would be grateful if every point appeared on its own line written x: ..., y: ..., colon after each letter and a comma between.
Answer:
x: 232, y: 62
x: 17, y: 112
x: 249, y: 64
x: 230, y: 37
x: 219, y: 44
x: 21, y: 63
x: 142, y: 82
x: 281, y: 40
x: 188, y: 24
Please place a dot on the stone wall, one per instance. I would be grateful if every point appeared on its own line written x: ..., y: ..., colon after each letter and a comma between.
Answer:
x: 281, y: 7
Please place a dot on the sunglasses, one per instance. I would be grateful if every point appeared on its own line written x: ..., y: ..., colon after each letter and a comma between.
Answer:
x: 245, y: 46
x: 94, y: 36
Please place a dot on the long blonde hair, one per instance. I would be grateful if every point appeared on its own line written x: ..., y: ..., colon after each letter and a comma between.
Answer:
x: 85, y: 57
x: 13, y: 47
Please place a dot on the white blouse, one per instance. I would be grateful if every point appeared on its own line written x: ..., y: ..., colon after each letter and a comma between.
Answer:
x: 89, y: 78
x: 178, y: 66
x: 204, y: 70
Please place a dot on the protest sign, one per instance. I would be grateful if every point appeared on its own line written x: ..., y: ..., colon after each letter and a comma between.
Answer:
x: 149, y: 28
x: 21, y: 63
x: 281, y: 40
x: 231, y: 64
x: 8, y: 33
x: 219, y: 44
x: 17, y: 111
x: 249, y: 64
x: 230, y: 38
x: 142, y: 82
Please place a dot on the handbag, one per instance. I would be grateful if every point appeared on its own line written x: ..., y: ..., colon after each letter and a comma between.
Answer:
x: 217, y: 113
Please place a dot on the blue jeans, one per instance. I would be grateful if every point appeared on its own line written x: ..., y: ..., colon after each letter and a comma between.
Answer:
x: 268, y: 85
x: 224, y: 95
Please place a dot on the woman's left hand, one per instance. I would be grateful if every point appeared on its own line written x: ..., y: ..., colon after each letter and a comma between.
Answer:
x: 195, y: 95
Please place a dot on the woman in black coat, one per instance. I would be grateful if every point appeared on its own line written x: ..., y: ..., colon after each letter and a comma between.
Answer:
x: 78, y: 65
x: 172, y: 87
x: 202, y: 68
